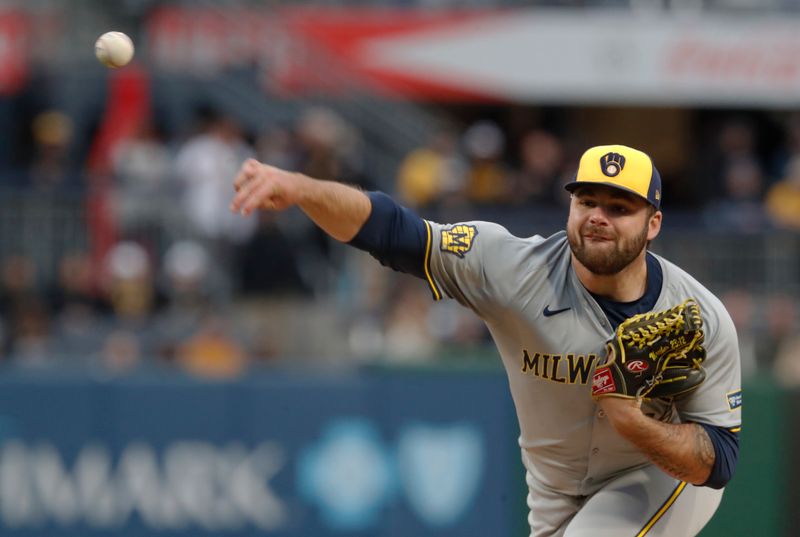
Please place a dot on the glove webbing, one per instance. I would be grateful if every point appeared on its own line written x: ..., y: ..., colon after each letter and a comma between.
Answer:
x: 644, y: 335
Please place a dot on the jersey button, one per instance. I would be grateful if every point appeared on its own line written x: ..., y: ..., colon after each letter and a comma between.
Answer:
x: 595, y: 451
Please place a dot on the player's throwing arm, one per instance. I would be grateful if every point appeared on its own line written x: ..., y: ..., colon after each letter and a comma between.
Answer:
x: 340, y: 210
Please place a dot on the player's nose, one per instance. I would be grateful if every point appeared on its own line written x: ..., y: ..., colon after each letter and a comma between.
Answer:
x: 597, y: 216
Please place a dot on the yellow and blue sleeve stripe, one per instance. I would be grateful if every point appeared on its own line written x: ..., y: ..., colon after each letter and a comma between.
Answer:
x: 437, y: 295
x: 398, y: 238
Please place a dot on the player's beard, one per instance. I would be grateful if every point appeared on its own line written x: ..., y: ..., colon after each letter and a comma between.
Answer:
x: 602, y: 262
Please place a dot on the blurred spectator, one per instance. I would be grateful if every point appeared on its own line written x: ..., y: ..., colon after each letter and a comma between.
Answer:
x: 783, y: 198
x: 276, y: 147
x: 79, y: 312
x: 129, y: 283
x: 740, y: 306
x: 269, y: 262
x: 455, y: 327
x: 737, y: 140
x: 431, y: 172
x: 790, y: 148
x: 143, y: 194
x: 121, y: 352
x: 31, y: 336
x: 189, y: 294
x: 407, y: 336
x: 329, y: 148
x: 75, y: 285
x: 740, y: 207
x: 787, y: 361
x: 25, y: 313
x: 211, y: 351
x: 19, y: 283
x: 487, y: 176
x: 780, y: 317
x: 541, y: 157
x: 186, y: 271
x: 52, y: 136
x: 205, y: 166
x: 364, y: 290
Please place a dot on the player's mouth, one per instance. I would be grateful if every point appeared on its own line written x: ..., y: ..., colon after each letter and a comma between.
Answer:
x: 595, y: 234
x: 596, y: 237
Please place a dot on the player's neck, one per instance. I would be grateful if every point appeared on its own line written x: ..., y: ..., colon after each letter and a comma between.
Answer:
x: 625, y: 286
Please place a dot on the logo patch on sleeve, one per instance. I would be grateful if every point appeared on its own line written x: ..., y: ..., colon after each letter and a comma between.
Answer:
x: 734, y: 400
x: 458, y: 239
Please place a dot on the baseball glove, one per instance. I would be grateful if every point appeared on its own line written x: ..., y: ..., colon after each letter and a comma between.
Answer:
x: 652, y: 355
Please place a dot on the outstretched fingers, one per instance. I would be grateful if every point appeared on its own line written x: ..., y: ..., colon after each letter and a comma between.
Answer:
x: 247, y: 172
x: 260, y: 194
x: 250, y: 185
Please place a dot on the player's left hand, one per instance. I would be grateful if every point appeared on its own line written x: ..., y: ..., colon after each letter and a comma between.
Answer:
x: 651, y: 355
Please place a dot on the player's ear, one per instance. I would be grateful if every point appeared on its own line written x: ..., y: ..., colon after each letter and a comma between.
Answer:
x: 654, y: 225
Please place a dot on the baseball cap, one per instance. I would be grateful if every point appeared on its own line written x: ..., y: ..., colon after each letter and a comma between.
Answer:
x: 622, y: 167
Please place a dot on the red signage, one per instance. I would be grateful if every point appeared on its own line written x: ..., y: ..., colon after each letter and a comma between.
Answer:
x: 301, y: 50
x: 13, y: 51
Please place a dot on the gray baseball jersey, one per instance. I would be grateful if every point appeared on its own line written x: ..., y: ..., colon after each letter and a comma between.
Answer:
x: 550, y: 333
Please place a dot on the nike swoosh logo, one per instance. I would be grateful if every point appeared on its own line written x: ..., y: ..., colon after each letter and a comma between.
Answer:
x: 549, y: 313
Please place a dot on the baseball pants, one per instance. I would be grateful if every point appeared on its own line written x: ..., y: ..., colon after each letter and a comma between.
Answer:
x: 643, y: 502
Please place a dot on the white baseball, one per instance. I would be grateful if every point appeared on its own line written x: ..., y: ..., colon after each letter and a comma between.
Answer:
x: 114, y: 49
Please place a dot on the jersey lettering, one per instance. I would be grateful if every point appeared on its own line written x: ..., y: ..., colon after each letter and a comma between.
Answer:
x: 529, y: 364
x: 554, y: 374
x: 546, y: 360
x: 579, y: 367
x: 548, y: 366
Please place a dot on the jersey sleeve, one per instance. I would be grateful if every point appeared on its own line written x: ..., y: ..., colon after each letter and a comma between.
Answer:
x: 472, y: 262
x: 718, y: 401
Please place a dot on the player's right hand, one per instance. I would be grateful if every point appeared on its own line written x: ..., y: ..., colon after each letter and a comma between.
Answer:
x: 260, y: 186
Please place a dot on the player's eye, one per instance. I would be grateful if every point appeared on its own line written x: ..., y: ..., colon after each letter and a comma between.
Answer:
x: 619, y: 209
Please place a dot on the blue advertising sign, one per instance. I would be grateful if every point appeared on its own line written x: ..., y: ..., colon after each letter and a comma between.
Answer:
x: 374, y: 454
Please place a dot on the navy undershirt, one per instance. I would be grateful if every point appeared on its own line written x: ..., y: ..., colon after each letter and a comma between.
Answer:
x: 619, y: 311
x: 397, y: 237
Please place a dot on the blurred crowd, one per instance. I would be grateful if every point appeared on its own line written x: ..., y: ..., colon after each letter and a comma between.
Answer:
x: 734, y: 184
x: 184, y: 283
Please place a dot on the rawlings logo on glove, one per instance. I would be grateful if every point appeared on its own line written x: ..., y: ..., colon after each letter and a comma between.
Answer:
x: 651, y: 355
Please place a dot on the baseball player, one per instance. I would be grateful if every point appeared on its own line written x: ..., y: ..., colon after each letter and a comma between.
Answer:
x: 624, y: 370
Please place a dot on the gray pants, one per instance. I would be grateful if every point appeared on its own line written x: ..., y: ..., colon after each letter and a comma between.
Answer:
x: 644, y: 502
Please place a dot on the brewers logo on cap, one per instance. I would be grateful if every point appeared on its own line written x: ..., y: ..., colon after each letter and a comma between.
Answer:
x: 622, y: 167
x: 612, y: 164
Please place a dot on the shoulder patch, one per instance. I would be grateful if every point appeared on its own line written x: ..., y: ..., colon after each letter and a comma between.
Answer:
x: 734, y: 400
x: 458, y: 239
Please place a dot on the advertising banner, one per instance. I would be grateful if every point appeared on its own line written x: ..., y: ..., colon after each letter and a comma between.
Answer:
x: 370, y: 455
x: 519, y: 55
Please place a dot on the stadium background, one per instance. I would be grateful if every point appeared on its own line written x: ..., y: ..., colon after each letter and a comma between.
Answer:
x: 168, y: 369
